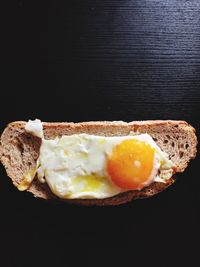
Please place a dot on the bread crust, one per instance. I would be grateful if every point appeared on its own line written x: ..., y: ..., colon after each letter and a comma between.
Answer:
x: 20, y: 150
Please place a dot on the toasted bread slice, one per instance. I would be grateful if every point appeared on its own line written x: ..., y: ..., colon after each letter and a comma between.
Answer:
x: 19, y: 151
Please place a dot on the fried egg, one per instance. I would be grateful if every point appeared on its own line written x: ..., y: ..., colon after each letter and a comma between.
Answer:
x: 83, y: 166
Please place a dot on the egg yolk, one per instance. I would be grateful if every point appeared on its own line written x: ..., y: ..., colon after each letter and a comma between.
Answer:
x: 131, y: 164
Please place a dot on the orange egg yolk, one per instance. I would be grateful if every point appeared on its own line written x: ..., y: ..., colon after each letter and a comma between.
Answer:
x: 131, y: 164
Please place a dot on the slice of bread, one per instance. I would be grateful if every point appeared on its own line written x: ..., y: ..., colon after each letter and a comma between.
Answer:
x: 19, y: 151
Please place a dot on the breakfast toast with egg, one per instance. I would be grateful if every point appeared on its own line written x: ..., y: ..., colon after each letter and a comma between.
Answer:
x: 20, y: 150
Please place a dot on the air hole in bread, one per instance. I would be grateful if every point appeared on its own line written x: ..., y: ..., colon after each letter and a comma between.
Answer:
x: 165, y: 141
x: 20, y: 148
x: 155, y: 139
x: 29, y: 163
x: 168, y: 136
x: 173, y: 144
x: 181, y: 154
x: 186, y: 146
x: 35, y: 155
x: 7, y: 156
x: 180, y: 146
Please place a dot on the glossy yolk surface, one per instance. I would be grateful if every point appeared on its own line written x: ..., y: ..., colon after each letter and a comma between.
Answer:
x: 130, y: 164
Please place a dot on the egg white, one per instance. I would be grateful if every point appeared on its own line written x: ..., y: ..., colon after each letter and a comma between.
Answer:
x: 75, y: 166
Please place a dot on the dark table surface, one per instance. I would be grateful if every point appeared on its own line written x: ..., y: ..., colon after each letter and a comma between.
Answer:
x: 101, y: 60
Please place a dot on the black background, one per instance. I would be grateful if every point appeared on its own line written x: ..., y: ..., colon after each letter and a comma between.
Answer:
x: 101, y: 60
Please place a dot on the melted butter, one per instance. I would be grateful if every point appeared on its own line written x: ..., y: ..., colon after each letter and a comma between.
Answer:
x: 89, y: 182
x: 66, y: 153
x: 101, y: 141
x: 27, y: 179
x: 87, y: 186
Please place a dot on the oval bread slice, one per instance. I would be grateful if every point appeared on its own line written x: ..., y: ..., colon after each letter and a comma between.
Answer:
x: 19, y: 151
